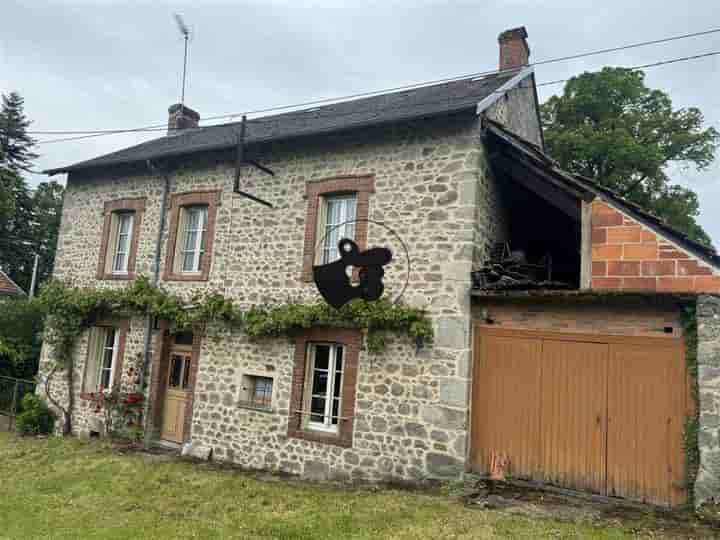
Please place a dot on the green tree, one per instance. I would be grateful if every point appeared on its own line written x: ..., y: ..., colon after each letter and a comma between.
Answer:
x: 17, y: 246
x: 21, y: 325
x: 47, y: 202
x: 29, y: 220
x: 15, y: 143
x: 610, y: 127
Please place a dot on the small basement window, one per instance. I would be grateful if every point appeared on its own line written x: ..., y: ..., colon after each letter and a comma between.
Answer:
x: 256, y: 392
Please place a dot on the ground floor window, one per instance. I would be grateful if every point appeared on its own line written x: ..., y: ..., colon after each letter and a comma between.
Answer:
x: 324, y: 383
x: 102, y: 359
x: 322, y: 399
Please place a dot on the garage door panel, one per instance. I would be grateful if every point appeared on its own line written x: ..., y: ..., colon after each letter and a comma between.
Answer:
x: 505, y: 396
x: 646, y: 403
x: 573, y: 411
x: 604, y: 415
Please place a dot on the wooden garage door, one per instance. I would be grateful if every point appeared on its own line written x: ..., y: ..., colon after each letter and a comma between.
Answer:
x: 598, y: 413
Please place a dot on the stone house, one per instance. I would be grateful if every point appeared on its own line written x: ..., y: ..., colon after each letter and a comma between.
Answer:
x: 456, y: 169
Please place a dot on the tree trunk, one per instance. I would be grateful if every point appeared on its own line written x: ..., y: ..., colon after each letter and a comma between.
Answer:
x: 67, y: 428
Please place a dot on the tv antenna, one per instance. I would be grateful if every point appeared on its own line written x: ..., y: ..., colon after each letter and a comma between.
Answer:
x: 185, y: 31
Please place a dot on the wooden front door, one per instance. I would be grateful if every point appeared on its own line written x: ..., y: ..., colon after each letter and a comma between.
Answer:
x: 598, y: 413
x: 177, y: 395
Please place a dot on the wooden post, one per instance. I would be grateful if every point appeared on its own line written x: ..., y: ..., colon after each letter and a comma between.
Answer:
x: 13, y: 407
x: 586, y: 246
x: 34, y: 276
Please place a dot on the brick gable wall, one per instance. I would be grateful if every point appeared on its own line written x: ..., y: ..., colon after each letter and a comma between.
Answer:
x: 628, y: 256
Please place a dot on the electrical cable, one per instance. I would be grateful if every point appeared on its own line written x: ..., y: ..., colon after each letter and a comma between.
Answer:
x: 99, y: 133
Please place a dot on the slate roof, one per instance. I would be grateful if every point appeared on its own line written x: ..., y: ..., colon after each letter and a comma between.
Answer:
x: 8, y: 287
x: 426, y: 101
x: 576, y: 183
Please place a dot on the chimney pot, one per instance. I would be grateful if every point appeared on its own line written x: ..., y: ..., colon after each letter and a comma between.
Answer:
x: 514, y: 50
x: 181, y: 117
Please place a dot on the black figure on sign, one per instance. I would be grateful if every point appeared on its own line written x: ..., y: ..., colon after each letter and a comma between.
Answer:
x: 333, y: 281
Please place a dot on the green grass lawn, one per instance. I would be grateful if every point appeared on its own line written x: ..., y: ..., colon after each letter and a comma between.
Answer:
x: 58, y: 488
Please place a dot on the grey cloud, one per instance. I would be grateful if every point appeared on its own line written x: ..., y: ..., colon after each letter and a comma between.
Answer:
x: 112, y: 64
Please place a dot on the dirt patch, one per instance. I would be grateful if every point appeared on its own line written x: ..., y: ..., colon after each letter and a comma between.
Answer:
x: 600, y: 512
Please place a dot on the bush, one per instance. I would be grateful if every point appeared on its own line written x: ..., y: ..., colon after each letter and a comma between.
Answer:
x: 35, y: 418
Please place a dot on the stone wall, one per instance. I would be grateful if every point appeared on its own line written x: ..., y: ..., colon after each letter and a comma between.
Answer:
x: 517, y: 111
x: 410, y: 414
x: 431, y: 186
x: 86, y: 418
x: 707, y: 484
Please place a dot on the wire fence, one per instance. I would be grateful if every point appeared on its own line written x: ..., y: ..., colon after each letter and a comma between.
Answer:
x: 11, y: 393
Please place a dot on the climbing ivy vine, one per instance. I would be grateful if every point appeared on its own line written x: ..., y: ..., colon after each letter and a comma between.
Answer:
x: 692, y: 422
x: 69, y: 310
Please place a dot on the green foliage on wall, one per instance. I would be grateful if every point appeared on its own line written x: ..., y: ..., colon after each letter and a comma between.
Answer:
x: 692, y: 422
x: 70, y: 310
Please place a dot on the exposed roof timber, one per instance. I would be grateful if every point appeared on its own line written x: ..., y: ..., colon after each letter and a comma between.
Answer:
x: 539, y: 182
x: 524, y: 150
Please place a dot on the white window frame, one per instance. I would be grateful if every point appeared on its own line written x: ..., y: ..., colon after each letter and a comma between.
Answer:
x: 113, y: 357
x: 122, y: 216
x: 201, y: 230
x: 329, y: 229
x: 326, y: 425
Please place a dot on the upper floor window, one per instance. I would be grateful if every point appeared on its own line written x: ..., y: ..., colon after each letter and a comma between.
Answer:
x: 192, y: 228
x: 337, y: 222
x: 123, y: 234
x: 119, y: 244
x: 194, y: 231
x: 331, y: 204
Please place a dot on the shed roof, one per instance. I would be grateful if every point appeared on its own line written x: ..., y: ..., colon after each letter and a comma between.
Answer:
x: 425, y: 101
x: 577, y: 185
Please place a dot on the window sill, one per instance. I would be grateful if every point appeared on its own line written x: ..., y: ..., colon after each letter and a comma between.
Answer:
x: 194, y: 276
x: 326, y: 437
x: 120, y: 277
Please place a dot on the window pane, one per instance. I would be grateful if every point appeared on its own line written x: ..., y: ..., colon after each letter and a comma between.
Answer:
x: 320, y: 383
x: 190, y: 240
x: 193, y: 219
x: 188, y: 261
x: 176, y: 364
x: 335, y: 411
x: 337, y: 389
x: 125, y: 223
x: 339, y: 358
x: 120, y: 264
x: 186, y: 373
x: 317, y: 408
x: 322, y: 356
x: 263, y: 391
x: 105, y: 378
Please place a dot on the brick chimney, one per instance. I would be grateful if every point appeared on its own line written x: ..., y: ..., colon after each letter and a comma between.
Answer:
x: 181, y: 117
x: 514, y: 50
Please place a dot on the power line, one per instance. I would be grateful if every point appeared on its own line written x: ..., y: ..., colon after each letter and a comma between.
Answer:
x: 548, y: 83
x: 161, y: 127
x: 645, y: 66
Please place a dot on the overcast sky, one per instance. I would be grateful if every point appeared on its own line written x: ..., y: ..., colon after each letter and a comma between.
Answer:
x: 106, y: 64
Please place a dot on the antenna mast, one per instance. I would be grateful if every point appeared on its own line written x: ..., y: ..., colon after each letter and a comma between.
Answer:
x: 185, y: 31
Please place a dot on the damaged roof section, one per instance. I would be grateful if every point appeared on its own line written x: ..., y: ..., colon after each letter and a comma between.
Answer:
x: 422, y: 102
x: 565, y: 190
